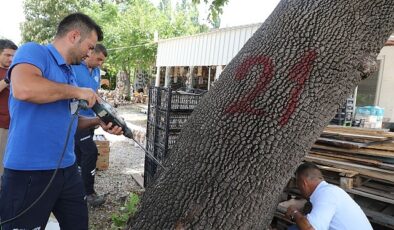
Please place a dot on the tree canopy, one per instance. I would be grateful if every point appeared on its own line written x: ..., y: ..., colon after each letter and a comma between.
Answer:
x: 215, y: 8
x: 129, y: 26
x: 42, y: 17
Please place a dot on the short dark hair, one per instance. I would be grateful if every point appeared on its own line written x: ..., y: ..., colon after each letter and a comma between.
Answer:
x: 7, y: 44
x: 78, y: 21
x: 100, y: 48
x: 309, y: 170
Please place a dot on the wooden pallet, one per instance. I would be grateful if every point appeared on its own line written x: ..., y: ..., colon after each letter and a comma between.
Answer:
x: 103, y: 148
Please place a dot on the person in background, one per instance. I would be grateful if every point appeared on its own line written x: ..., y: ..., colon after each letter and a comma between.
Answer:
x: 88, y: 76
x: 7, y: 51
x: 332, y: 207
x: 40, y: 174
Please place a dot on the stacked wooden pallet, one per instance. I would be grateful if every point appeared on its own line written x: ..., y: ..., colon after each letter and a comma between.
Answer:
x: 102, y: 144
x: 361, y: 161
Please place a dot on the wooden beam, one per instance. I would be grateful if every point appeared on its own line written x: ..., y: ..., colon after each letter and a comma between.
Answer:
x: 368, y: 171
x: 367, y: 152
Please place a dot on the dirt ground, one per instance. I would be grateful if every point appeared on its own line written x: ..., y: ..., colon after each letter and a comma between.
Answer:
x: 116, y: 182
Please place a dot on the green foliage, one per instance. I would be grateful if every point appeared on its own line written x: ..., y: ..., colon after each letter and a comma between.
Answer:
x: 43, y: 16
x: 216, y: 9
x: 120, y: 219
x: 129, y: 28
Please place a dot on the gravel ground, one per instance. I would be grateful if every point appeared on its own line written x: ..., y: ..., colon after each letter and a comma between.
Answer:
x: 116, y: 182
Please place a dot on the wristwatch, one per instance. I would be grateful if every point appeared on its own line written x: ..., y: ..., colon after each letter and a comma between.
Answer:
x: 292, y: 216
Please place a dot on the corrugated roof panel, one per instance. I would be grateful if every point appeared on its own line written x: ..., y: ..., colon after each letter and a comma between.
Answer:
x: 209, y: 50
x: 216, y: 47
x: 238, y: 43
x: 226, y: 45
x: 205, y: 51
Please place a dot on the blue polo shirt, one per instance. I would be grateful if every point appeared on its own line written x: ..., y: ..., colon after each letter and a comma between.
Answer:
x: 87, y: 79
x: 38, y: 131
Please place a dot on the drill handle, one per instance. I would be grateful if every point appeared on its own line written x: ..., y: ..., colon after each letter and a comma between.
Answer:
x: 83, y: 104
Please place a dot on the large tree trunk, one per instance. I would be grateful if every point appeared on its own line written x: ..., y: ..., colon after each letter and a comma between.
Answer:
x: 249, y: 133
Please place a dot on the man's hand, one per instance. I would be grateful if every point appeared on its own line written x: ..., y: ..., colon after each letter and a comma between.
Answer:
x: 295, y: 215
x: 116, y: 130
x: 88, y: 95
x: 291, y: 211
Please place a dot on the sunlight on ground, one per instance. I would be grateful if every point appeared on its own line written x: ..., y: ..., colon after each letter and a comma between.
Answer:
x: 129, y: 171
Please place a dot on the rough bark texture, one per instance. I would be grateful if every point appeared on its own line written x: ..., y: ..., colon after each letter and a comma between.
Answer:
x: 252, y: 129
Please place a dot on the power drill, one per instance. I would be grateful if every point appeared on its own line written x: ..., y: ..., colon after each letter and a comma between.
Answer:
x: 108, y: 114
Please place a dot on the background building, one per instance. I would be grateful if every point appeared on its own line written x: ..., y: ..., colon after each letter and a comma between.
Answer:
x: 196, y: 61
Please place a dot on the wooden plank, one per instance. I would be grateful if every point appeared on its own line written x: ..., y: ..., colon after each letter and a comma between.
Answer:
x: 385, y: 143
x: 346, y: 158
x: 377, y: 185
x: 351, y: 159
x: 340, y: 143
x: 385, y: 146
x: 376, y: 192
x: 359, y: 131
x: 351, y: 136
x: 342, y: 172
x: 379, y: 218
x: 369, y: 195
x: 372, y: 172
x: 367, y: 152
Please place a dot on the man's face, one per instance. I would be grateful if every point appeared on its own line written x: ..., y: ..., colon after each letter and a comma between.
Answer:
x: 95, y: 59
x: 82, y: 47
x: 302, y: 186
x: 6, y: 58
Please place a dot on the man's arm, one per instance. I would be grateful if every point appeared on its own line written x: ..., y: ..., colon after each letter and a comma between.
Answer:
x: 29, y: 85
x: 3, y: 85
x: 301, y: 220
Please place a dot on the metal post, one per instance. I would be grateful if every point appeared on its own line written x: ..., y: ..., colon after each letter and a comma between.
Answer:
x: 219, y: 70
x: 209, y: 77
x: 190, y: 78
x: 167, y: 77
x: 157, y: 83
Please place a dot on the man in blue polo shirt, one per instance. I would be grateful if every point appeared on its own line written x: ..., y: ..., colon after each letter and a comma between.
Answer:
x: 40, y: 173
x: 88, y: 73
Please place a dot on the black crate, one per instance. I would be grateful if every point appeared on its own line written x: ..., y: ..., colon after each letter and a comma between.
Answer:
x: 161, y: 138
x: 177, y: 120
x: 169, y: 120
x: 150, y: 169
x: 344, y: 115
x: 151, y: 165
x: 180, y: 101
x: 150, y: 145
x: 150, y: 131
x: 160, y: 153
x: 168, y: 111
x: 172, y: 139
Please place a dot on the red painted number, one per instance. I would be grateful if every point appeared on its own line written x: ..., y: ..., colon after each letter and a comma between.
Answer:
x: 298, y: 74
x: 244, y: 105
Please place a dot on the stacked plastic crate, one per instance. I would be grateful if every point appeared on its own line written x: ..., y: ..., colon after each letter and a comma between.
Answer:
x: 167, y: 112
x: 345, y: 113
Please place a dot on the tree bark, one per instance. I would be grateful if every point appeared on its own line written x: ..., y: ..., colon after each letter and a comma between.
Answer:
x: 253, y: 128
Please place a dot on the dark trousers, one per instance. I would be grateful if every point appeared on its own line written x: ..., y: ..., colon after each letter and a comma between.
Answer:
x: 65, y: 198
x: 86, y: 153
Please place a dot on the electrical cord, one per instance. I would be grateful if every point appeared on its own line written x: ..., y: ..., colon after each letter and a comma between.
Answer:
x: 53, y: 175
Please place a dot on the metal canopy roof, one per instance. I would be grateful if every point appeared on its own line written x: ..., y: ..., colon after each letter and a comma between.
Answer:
x: 213, y: 48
